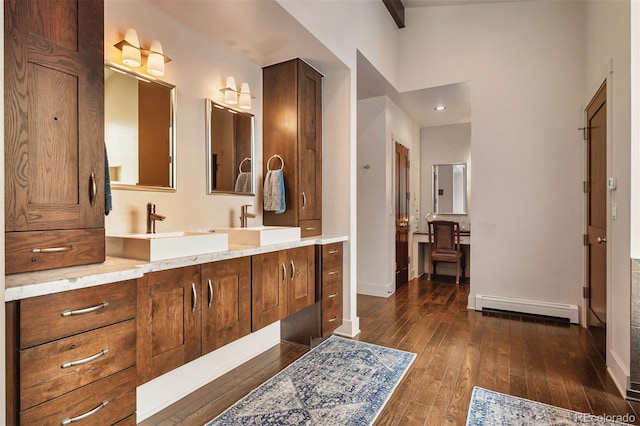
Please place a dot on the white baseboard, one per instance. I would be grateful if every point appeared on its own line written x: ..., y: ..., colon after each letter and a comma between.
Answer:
x: 163, y: 391
x: 384, y: 290
x: 349, y: 328
x: 558, y: 310
x: 618, y: 372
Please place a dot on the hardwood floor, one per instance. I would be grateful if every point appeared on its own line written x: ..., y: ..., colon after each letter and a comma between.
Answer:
x: 541, y: 359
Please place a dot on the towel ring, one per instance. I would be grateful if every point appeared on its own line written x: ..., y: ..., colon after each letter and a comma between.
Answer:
x: 242, y: 162
x: 271, y: 158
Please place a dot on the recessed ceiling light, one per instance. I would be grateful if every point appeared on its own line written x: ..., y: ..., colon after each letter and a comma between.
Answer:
x: 440, y: 108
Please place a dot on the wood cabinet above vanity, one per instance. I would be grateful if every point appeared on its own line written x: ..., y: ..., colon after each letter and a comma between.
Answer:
x: 54, y: 134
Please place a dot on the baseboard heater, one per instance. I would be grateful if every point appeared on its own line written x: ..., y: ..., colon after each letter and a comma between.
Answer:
x: 547, y: 309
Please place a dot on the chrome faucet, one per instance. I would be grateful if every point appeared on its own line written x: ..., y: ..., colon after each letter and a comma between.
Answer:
x: 152, y: 217
x: 244, y: 215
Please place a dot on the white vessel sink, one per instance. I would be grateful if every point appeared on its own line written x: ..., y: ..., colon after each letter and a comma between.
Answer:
x: 261, y: 235
x: 166, y: 245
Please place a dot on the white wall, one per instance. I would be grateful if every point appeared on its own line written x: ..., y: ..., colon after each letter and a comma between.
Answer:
x: 197, y: 76
x: 607, y: 56
x: 635, y: 130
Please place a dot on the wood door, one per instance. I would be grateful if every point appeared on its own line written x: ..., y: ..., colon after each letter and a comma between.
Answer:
x: 54, y: 115
x: 309, y: 141
x: 168, y: 320
x: 226, y: 302
x: 402, y: 214
x: 301, y: 275
x: 268, y: 289
x: 597, y: 218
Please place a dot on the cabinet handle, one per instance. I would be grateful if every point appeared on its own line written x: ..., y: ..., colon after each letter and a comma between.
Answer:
x: 310, y: 228
x: 284, y: 273
x: 194, y: 297
x: 331, y: 296
x: 51, y: 249
x: 93, y: 189
x: 333, y: 272
x: 210, y: 292
x: 68, y: 421
x: 333, y: 251
x: 333, y: 319
x: 85, y: 360
x: 85, y: 310
x: 304, y: 200
x: 293, y: 270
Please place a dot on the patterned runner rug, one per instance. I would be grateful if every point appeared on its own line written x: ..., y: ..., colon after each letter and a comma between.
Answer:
x: 339, y: 382
x: 493, y: 408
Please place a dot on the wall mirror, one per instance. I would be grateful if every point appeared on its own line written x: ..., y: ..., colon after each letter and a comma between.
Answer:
x: 450, y: 188
x: 139, y: 130
x: 229, y: 150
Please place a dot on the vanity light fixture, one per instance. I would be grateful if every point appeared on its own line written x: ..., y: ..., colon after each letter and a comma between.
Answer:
x: 233, y: 97
x: 245, y: 96
x: 440, y: 108
x: 132, y: 54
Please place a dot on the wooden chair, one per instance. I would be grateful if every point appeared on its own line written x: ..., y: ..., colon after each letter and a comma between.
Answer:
x: 444, y: 246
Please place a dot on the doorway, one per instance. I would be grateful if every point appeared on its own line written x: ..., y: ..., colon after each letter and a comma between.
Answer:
x: 402, y: 213
x: 596, y: 239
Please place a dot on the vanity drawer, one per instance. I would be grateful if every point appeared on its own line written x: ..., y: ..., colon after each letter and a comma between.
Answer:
x: 51, y: 317
x: 118, y: 390
x: 46, y: 374
x: 309, y: 228
x: 332, y: 295
x: 331, y: 319
x: 331, y: 275
x: 332, y: 255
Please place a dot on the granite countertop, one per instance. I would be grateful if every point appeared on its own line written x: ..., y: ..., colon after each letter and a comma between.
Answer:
x: 114, y: 269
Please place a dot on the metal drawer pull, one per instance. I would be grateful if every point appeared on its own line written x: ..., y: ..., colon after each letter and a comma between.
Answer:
x: 85, y: 360
x: 333, y: 272
x: 293, y: 270
x: 333, y: 319
x: 309, y: 228
x: 333, y: 251
x: 85, y: 310
x: 284, y: 272
x: 194, y: 297
x: 210, y: 292
x: 304, y: 200
x: 331, y: 296
x: 66, y: 422
x: 52, y: 249
x: 93, y: 189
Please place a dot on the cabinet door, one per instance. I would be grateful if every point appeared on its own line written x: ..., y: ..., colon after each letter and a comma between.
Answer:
x: 269, y: 289
x: 309, y: 142
x: 168, y: 321
x: 226, y: 304
x: 54, y: 109
x: 301, y: 278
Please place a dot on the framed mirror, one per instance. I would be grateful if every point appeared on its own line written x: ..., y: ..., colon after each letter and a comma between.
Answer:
x: 139, y: 130
x: 450, y: 188
x: 230, y: 150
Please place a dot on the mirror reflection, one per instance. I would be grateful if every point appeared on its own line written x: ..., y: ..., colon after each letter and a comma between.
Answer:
x: 139, y: 130
x: 450, y: 188
x: 229, y: 150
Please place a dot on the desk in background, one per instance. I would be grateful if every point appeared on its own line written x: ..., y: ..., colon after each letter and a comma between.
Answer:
x: 420, y: 251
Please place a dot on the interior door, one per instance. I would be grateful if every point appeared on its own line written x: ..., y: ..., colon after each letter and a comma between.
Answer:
x: 597, y: 218
x: 402, y: 214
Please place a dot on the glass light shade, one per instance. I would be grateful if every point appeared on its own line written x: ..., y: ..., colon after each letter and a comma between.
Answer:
x: 245, y: 96
x: 231, y: 92
x: 155, y: 61
x: 131, y: 52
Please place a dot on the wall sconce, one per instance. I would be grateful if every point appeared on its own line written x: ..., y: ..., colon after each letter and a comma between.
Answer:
x: 132, y: 53
x: 232, y: 96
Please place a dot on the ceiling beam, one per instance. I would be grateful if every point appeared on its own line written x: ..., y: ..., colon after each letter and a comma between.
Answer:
x: 396, y: 9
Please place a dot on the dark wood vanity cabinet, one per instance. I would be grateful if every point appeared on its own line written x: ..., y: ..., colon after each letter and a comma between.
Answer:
x: 54, y: 134
x: 67, y: 353
x: 283, y: 283
x: 292, y: 129
x: 226, y: 304
x: 329, y: 263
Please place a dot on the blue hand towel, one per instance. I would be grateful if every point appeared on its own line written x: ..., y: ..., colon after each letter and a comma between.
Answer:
x: 274, y: 195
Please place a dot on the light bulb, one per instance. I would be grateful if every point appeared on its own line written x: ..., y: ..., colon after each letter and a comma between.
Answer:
x: 155, y: 62
x: 245, y: 96
x: 231, y: 92
x: 131, y: 52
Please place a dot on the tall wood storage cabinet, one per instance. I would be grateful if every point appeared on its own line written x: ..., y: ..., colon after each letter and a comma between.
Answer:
x: 292, y: 129
x: 54, y: 134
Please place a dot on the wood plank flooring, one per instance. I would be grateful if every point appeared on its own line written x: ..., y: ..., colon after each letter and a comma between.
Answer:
x: 541, y: 359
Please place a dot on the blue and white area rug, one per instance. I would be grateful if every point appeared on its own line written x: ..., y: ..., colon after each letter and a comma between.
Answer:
x: 495, y: 409
x: 339, y: 382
